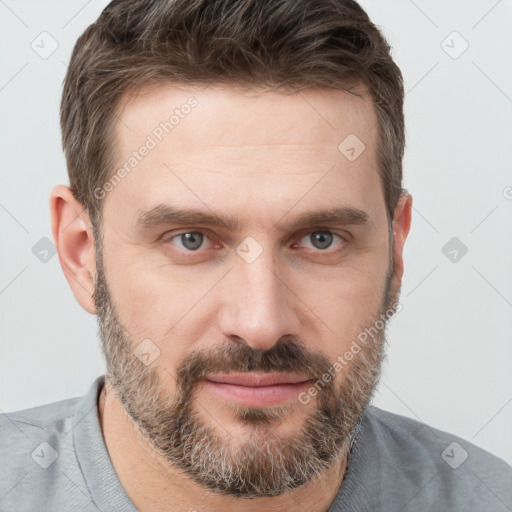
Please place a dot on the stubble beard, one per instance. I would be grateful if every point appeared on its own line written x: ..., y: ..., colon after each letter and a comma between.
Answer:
x: 264, y: 463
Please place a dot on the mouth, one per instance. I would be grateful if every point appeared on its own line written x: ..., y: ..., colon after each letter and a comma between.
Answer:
x: 257, y: 389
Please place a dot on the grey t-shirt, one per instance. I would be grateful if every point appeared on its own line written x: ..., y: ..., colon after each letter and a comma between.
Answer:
x: 53, y: 457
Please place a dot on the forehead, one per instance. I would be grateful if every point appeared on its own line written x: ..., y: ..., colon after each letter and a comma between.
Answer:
x: 230, y: 116
x: 229, y: 148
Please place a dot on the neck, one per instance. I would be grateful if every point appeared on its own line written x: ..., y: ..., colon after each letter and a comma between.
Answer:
x: 153, y: 484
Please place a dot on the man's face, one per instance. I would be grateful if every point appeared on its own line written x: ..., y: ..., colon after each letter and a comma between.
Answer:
x: 216, y: 332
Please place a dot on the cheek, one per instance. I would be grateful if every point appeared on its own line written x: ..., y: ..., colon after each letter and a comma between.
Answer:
x: 139, y: 299
x: 160, y: 304
x: 343, y: 307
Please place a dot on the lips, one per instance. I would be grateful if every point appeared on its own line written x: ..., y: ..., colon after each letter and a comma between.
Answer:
x: 257, y: 379
x: 257, y: 389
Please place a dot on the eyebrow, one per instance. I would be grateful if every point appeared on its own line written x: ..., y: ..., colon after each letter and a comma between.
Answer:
x: 164, y: 214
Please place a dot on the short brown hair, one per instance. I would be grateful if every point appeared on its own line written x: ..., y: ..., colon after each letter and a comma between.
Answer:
x: 275, y: 43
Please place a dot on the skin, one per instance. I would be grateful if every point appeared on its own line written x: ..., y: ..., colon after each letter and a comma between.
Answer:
x: 263, y: 158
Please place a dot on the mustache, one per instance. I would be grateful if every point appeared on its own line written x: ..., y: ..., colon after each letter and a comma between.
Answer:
x: 286, y: 356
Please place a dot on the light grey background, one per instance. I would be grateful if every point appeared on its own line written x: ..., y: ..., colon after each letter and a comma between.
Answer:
x: 450, y: 348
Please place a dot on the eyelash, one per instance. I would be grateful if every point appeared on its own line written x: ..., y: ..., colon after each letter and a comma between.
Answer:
x: 343, y: 240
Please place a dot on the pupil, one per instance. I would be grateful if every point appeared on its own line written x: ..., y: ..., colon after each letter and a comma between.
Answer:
x: 192, y: 240
x: 321, y: 239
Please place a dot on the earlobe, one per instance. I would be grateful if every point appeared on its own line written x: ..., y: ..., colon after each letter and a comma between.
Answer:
x: 72, y: 233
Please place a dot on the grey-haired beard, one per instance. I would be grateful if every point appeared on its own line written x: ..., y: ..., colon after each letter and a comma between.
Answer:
x: 265, y: 463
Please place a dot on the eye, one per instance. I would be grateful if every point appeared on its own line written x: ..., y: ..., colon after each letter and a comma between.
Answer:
x: 321, y: 239
x: 190, y: 240
x: 193, y: 241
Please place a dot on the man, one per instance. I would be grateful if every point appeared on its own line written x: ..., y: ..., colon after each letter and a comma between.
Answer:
x: 236, y: 220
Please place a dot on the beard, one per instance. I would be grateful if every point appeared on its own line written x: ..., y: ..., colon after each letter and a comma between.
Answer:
x: 263, y: 463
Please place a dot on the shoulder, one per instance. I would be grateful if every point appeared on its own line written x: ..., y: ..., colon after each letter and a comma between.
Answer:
x: 444, y: 468
x: 39, y: 462
x: 20, y: 429
x: 42, y: 416
x: 33, y: 439
x: 430, y: 444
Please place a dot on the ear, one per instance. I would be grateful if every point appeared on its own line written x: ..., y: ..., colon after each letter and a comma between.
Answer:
x: 401, y: 226
x: 72, y: 233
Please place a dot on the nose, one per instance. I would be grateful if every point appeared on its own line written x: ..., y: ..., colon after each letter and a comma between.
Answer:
x: 258, y: 305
